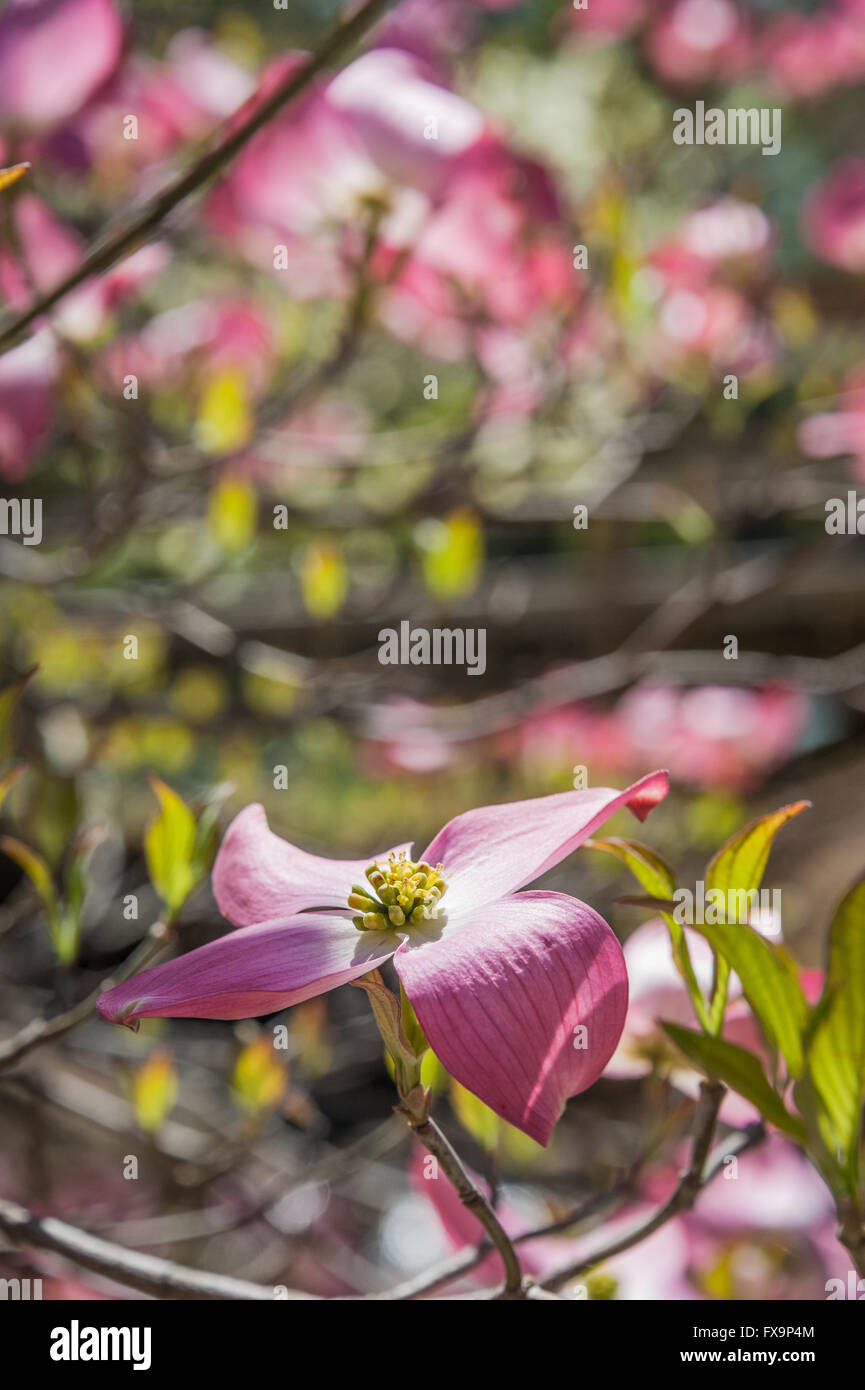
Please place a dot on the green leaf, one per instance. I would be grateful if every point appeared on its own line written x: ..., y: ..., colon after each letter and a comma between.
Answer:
x: 770, y: 982
x: 738, y: 867
x: 324, y: 579
x: 8, y: 781
x: 453, y: 551
x: 740, y: 864
x: 405, y: 1051
x: 154, y: 1091
x: 9, y: 697
x: 656, y: 876
x: 648, y: 868
x: 207, y: 827
x: 476, y: 1118
x: 39, y: 875
x: 225, y: 416
x: 232, y: 514
x: 836, y: 1054
x: 169, y: 848
x: 738, y: 1069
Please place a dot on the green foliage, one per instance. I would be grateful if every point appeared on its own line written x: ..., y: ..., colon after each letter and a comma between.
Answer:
x: 179, y: 849
x: 836, y: 1048
x: 738, y: 868
x: 736, y: 1067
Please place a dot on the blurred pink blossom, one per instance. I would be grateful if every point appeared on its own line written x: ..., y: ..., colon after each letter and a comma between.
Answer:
x: 833, y: 216
x: 811, y: 54
x: 350, y: 151
x: 199, y: 340
x: 829, y: 433
x: 28, y: 387
x: 461, y: 1228
x: 51, y: 250
x: 714, y: 735
x: 694, y: 41
x: 174, y: 101
x: 54, y: 56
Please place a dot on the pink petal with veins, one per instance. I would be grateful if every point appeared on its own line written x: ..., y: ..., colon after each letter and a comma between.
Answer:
x: 494, y: 850
x: 500, y: 1000
x: 259, y: 876
x: 259, y: 970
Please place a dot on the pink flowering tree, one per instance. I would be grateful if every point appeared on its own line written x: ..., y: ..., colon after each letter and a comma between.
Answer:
x: 419, y: 421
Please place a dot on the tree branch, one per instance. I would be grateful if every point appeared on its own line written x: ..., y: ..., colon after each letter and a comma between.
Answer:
x: 136, y: 231
x: 146, y: 1273
x: 683, y: 1198
x: 436, y: 1143
x: 42, y: 1030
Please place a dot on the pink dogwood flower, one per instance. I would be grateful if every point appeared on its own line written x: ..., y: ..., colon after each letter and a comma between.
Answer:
x: 522, y: 996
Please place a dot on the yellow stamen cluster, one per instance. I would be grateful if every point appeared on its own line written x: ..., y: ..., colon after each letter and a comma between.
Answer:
x: 399, y: 893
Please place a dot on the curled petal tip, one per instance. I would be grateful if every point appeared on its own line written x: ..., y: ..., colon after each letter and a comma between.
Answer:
x: 649, y: 792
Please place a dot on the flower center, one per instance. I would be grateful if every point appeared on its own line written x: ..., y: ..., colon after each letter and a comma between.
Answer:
x: 399, y: 892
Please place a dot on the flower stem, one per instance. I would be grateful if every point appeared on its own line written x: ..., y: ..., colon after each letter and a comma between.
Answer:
x: 415, y: 1109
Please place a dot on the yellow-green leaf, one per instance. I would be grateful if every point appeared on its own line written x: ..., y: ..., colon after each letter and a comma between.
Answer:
x: 12, y: 174
x: 740, y: 863
x: 323, y: 579
x: 656, y: 876
x: 259, y: 1079
x: 741, y: 1070
x: 8, y: 781
x: 738, y: 869
x: 481, y: 1123
x: 836, y: 1054
x: 38, y: 873
x: 770, y: 982
x: 169, y: 848
x: 225, y: 419
x: 232, y: 514
x: 154, y: 1091
x: 452, y: 551
x: 9, y: 697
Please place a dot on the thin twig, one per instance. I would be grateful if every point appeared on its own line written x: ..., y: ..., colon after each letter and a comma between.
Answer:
x: 146, y: 1273
x: 42, y: 1030
x: 689, y: 1185
x: 436, y: 1143
x: 205, y: 168
x: 464, y: 1261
